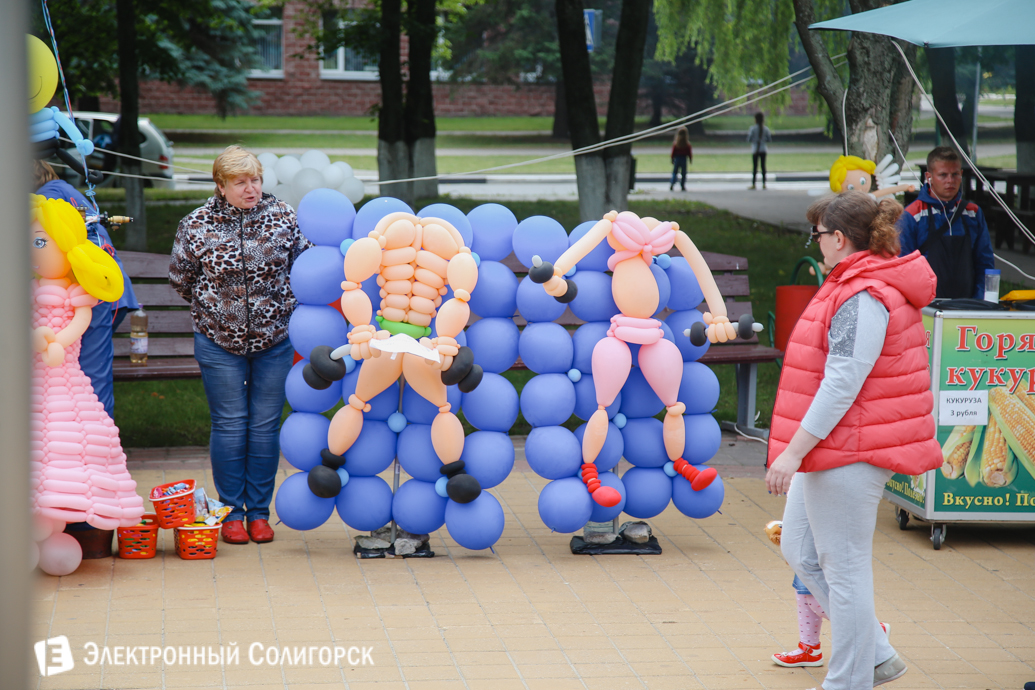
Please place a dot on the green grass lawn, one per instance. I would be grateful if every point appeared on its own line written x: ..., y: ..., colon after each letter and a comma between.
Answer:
x: 169, y: 413
x: 327, y: 122
x: 774, y: 122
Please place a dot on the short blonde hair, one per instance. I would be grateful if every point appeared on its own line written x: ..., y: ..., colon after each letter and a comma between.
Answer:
x: 233, y: 162
x: 839, y: 170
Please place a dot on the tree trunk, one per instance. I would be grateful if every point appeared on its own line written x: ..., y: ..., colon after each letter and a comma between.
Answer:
x: 129, y: 133
x: 621, y: 105
x: 560, y: 112
x: 902, y: 88
x: 1024, y: 109
x: 419, y: 112
x: 393, y: 159
x: 657, y: 106
x: 941, y: 62
x: 582, y: 108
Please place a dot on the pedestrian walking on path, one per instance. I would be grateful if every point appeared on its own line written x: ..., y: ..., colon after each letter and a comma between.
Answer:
x: 758, y: 136
x: 682, y: 154
x: 852, y: 408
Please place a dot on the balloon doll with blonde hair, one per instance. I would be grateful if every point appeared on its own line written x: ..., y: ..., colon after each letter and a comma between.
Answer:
x: 78, y: 467
x: 636, y: 242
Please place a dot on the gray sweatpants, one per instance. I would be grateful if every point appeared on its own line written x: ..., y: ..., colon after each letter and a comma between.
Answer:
x: 828, y: 526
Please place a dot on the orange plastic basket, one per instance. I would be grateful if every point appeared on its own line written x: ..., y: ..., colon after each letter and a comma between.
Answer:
x: 176, y: 509
x: 194, y: 543
x: 139, y: 541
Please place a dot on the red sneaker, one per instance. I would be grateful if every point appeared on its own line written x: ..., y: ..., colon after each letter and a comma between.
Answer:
x: 804, y: 655
x: 233, y: 532
x: 260, y: 531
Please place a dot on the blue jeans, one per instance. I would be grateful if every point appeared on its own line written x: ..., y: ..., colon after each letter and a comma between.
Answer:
x: 679, y: 167
x: 96, y: 353
x: 246, y: 398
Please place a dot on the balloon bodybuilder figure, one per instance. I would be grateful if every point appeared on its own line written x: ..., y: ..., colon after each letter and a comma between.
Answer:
x: 636, y: 242
x: 413, y: 259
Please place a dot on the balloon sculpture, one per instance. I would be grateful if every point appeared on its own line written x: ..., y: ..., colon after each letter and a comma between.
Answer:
x: 78, y: 467
x: 291, y: 178
x: 852, y: 172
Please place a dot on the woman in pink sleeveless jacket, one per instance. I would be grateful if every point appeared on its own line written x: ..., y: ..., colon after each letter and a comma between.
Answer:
x: 854, y: 405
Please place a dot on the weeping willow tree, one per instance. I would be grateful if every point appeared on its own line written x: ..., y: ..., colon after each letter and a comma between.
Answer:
x: 747, y: 42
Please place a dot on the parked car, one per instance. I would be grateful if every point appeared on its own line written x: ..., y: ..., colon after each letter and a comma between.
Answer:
x: 101, y: 129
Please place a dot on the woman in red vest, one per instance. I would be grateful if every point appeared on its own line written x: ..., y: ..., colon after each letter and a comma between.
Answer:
x: 854, y: 406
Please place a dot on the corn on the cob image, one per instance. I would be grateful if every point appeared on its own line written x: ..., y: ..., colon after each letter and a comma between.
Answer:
x: 995, y: 465
x: 956, y: 451
x: 1015, y: 417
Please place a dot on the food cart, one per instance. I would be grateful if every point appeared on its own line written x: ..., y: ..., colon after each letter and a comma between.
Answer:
x: 983, y: 379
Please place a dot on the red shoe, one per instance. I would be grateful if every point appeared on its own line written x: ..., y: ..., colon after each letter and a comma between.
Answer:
x: 260, y: 531
x: 233, y: 532
x: 804, y: 655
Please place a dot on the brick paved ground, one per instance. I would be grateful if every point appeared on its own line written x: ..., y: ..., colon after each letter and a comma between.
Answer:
x: 707, y: 613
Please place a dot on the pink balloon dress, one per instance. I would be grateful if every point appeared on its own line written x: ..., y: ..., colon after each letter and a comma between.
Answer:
x: 78, y: 467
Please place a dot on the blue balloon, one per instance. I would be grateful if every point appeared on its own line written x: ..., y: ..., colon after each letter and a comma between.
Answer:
x: 553, y: 452
x: 699, y: 388
x: 382, y: 406
x: 302, y: 436
x: 565, y: 505
x: 365, y: 503
x: 488, y: 457
x: 596, y: 260
x: 634, y: 349
x: 493, y: 227
x: 594, y: 301
x: 703, y: 438
x: 373, y: 293
x: 496, y: 291
x: 586, y: 399
x: 374, y: 210
x: 453, y: 216
x: 614, y: 447
x: 546, y: 348
x: 495, y: 344
x: 539, y: 235
x: 373, y: 451
x: 535, y: 305
x: 313, y: 325
x: 417, y: 508
x: 476, y: 525
x: 602, y: 514
x: 317, y: 274
x: 397, y: 422
x: 548, y: 400
x: 638, y: 398
x: 644, y: 443
x: 416, y: 454
x: 648, y: 491
x: 493, y: 405
x: 298, y: 507
x: 686, y: 291
x: 325, y: 217
x: 664, y: 287
x: 697, y: 504
x: 302, y: 398
x: 679, y: 321
x: 584, y: 340
x: 419, y: 410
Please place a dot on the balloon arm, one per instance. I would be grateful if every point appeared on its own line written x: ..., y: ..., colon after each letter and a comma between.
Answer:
x: 704, y: 276
x: 896, y: 189
x: 583, y: 246
x: 342, y: 351
x: 85, y: 146
x: 76, y: 327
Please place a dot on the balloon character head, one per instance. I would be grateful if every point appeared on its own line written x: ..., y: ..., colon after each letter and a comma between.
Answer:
x: 60, y: 247
x: 852, y: 173
x: 43, y: 74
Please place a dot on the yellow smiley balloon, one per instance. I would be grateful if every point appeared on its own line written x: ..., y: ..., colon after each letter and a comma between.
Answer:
x: 43, y: 74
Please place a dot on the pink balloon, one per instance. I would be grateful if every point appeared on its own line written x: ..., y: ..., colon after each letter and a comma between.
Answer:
x: 34, y: 555
x: 612, y: 361
x: 60, y: 554
x: 661, y: 366
x: 42, y: 528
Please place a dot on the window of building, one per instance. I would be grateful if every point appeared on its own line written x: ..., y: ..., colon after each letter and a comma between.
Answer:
x: 344, y: 62
x: 269, y: 24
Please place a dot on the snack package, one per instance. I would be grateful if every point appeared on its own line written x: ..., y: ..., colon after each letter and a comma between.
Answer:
x: 774, y: 530
x: 217, y: 515
x: 201, y: 511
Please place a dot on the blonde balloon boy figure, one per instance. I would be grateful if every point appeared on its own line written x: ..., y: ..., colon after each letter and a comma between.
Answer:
x: 636, y: 242
x: 78, y: 468
x: 854, y: 173
x: 413, y: 260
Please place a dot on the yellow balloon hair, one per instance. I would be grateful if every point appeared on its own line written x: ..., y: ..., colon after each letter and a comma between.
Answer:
x: 93, y: 267
x: 839, y: 170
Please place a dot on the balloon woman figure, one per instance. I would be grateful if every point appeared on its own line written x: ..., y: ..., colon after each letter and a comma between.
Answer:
x: 636, y: 242
x: 413, y: 259
x: 78, y: 468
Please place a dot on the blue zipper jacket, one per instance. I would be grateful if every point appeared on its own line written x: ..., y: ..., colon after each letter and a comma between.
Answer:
x: 912, y: 229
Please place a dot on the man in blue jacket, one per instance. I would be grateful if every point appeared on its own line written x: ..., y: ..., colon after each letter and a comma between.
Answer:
x: 950, y: 232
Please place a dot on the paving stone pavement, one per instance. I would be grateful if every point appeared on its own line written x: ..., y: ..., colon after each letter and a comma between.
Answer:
x: 706, y: 613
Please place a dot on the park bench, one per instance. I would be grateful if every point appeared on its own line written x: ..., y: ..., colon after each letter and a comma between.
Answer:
x: 171, y: 337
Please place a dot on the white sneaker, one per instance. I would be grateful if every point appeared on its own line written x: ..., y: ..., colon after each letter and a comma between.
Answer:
x: 892, y: 669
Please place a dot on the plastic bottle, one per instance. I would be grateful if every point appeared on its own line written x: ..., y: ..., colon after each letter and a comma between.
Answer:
x: 138, y: 337
x: 992, y: 285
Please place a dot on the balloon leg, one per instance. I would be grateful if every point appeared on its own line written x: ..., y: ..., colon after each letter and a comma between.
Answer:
x: 377, y: 374
x: 595, y: 435
x: 604, y: 495
x: 674, y: 431
x: 447, y: 437
x: 344, y: 430
x: 612, y: 361
x: 699, y: 479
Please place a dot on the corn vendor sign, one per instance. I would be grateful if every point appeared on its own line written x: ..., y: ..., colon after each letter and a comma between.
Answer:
x: 983, y: 377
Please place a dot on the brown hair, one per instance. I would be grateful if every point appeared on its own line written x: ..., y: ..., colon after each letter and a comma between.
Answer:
x: 868, y: 225
x: 759, y: 118
x: 941, y: 153
x: 682, y: 137
x: 42, y: 173
x: 233, y: 162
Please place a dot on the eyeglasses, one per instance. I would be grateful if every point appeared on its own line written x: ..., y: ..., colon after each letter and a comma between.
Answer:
x: 814, y: 235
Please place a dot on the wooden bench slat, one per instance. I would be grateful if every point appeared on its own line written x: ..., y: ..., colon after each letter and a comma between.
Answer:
x: 158, y: 347
x: 175, y: 368
x: 733, y: 285
x: 739, y: 354
x: 164, y: 322
x: 144, y: 265
x: 158, y: 295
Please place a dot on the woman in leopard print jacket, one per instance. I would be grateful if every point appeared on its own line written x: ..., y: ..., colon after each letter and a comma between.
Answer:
x: 231, y: 262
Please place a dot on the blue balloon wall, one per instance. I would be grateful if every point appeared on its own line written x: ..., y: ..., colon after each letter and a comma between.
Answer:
x: 372, y: 452
x: 565, y: 505
x: 699, y: 388
x: 548, y: 400
x: 317, y: 274
x: 596, y: 260
x: 648, y: 491
x: 584, y: 340
x: 488, y: 457
x: 496, y: 291
x: 539, y: 235
x: 453, y: 216
x: 644, y: 444
x: 325, y: 217
x: 374, y: 210
x: 476, y: 525
x: 493, y: 405
x: 638, y: 398
x: 313, y: 325
x: 594, y: 301
x: 365, y: 503
x: 553, y: 452
x: 703, y: 438
x: 297, y: 507
x: 613, y: 450
x: 604, y: 514
x: 302, y: 398
x: 419, y: 410
x: 302, y: 436
x: 678, y: 322
x: 586, y: 399
x: 382, y: 405
x: 697, y: 504
x: 664, y: 287
x: 546, y: 348
x: 416, y: 454
x: 494, y: 343
x: 417, y: 507
x: 493, y: 227
x: 685, y: 290
x: 535, y: 305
